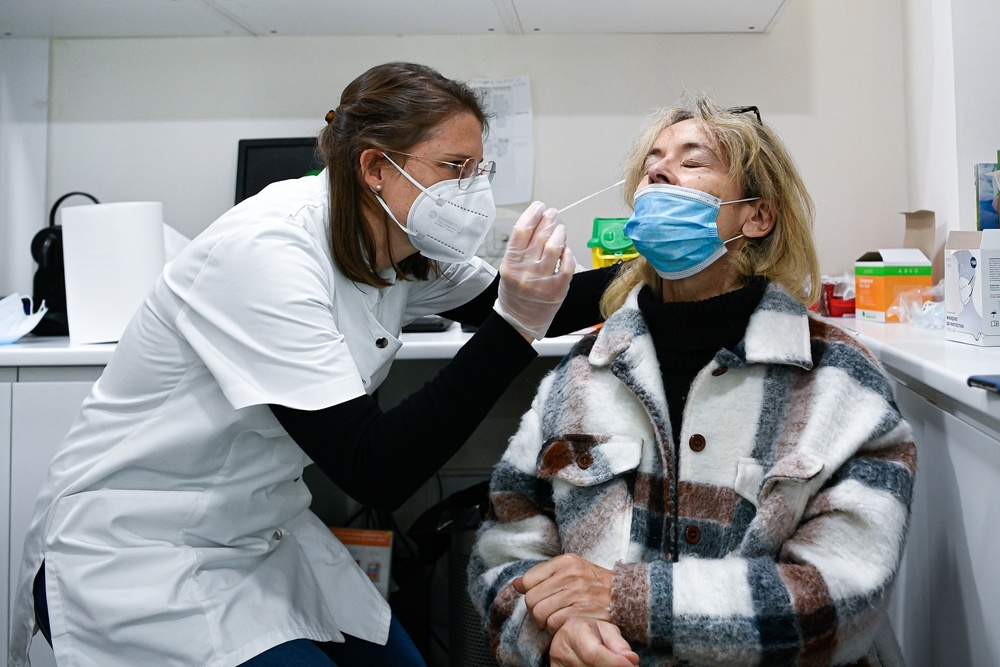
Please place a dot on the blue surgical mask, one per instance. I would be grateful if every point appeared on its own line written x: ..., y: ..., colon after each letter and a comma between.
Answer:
x: 675, y: 229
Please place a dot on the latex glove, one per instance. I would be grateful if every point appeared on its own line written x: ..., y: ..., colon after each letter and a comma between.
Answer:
x: 535, y: 272
x: 588, y: 642
x: 565, y: 587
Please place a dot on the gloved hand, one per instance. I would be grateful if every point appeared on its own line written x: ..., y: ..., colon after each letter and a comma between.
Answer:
x: 535, y: 272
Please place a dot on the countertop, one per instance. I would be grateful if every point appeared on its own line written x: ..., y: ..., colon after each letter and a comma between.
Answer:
x: 58, y: 351
x: 923, y: 359
x: 934, y: 367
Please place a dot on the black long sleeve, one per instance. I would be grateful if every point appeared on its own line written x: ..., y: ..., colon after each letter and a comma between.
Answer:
x: 381, y: 458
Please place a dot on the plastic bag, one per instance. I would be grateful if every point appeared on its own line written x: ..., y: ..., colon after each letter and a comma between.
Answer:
x: 922, y: 307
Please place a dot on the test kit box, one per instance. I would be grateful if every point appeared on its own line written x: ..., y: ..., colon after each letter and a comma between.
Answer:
x: 372, y: 551
x: 972, y: 287
x: 880, y: 275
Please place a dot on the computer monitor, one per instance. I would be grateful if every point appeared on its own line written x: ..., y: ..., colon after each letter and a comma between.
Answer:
x: 260, y: 162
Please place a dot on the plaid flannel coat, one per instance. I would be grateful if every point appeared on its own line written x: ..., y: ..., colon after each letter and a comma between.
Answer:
x: 769, y: 534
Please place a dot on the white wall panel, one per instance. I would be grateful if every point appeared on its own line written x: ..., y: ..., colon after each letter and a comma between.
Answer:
x: 160, y: 119
x: 24, y: 91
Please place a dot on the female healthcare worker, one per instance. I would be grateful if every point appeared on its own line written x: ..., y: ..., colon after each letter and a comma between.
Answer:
x: 174, y: 526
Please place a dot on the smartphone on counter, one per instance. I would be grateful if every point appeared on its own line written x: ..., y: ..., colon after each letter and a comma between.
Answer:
x: 987, y: 382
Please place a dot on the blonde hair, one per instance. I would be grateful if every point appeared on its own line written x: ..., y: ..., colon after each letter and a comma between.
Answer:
x: 761, y: 167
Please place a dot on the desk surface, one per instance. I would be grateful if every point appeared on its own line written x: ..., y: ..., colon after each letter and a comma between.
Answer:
x: 937, y: 368
x: 934, y: 367
x: 58, y: 351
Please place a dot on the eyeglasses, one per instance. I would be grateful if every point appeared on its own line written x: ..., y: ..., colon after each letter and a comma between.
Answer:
x: 467, y: 170
x: 754, y: 110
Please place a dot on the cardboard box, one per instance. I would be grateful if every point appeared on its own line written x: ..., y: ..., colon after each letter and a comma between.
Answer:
x: 972, y: 287
x: 372, y: 551
x: 879, y: 276
x: 921, y: 232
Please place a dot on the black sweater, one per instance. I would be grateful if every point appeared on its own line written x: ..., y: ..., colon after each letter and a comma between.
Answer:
x: 687, y: 335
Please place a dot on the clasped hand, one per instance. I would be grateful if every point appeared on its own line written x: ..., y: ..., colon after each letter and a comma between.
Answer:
x: 571, y: 597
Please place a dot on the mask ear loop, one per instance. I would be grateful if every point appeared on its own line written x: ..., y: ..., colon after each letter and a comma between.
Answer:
x: 737, y: 201
x: 378, y: 197
x: 437, y: 200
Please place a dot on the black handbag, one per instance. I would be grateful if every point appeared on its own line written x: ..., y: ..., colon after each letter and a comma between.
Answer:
x: 50, y: 277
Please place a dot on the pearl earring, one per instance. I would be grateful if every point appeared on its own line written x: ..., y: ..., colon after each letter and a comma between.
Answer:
x: 378, y: 188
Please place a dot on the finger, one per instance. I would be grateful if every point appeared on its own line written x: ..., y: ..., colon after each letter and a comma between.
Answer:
x: 558, y: 609
x: 518, y: 584
x: 557, y: 568
x: 535, y: 249
x: 611, y: 637
x: 537, y: 574
x: 567, y: 262
x: 592, y: 653
x: 547, y: 225
x: 612, y: 650
x: 524, y: 228
x: 545, y: 611
x: 557, y: 239
x: 553, y: 250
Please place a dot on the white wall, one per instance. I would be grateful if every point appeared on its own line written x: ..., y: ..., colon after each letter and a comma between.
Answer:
x: 977, y: 94
x: 160, y: 119
x: 24, y: 82
x: 952, y: 105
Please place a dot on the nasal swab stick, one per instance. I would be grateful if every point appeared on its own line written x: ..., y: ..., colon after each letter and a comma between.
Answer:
x: 580, y: 201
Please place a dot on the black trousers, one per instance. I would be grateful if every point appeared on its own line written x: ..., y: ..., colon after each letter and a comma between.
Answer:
x: 42, y: 605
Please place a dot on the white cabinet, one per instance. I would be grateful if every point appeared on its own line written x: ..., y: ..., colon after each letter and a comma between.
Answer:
x: 41, y: 407
x: 946, y: 605
x: 947, y: 601
x: 6, y: 375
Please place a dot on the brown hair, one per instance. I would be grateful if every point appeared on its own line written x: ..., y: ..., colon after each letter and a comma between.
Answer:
x: 761, y: 167
x: 391, y: 107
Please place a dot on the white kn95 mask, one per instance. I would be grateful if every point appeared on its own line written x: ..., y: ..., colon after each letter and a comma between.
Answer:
x: 446, y: 223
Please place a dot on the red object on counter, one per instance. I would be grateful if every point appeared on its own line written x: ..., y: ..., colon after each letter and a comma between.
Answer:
x: 841, y: 307
x: 832, y: 306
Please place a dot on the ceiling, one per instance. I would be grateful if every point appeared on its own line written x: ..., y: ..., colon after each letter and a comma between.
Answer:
x: 216, y: 18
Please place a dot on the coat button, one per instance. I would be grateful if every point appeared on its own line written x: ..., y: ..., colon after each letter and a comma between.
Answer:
x: 277, y: 535
x: 381, y: 343
x: 692, y: 534
x: 697, y: 442
x: 721, y: 370
x: 584, y: 460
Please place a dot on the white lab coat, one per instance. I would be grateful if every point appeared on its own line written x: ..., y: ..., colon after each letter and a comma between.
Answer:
x: 174, y: 523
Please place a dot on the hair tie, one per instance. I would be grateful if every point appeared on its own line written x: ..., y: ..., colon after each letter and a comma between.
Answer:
x: 329, y: 116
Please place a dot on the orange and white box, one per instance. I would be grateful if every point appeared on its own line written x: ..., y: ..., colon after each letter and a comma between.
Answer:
x: 372, y: 551
x: 879, y: 276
